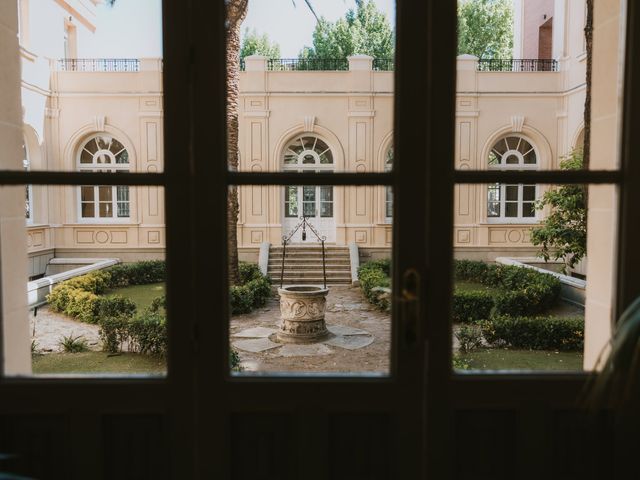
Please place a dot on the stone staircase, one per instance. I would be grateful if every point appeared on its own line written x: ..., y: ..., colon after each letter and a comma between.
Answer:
x: 303, y: 265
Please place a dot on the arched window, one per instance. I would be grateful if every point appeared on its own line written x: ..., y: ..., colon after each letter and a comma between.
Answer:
x: 103, y: 153
x: 307, y: 150
x: 388, y: 201
x: 512, y: 202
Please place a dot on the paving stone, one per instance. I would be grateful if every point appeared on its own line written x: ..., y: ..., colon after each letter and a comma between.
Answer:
x: 293, y: 350
x: 344, y: 330
x: 350, y: 342
x: 256, y: 332
x: 256, y: 345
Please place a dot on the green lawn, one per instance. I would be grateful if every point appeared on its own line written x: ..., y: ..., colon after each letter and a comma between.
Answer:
x: 142, y: 295
x: 511, y: 359
x: 97, y: 362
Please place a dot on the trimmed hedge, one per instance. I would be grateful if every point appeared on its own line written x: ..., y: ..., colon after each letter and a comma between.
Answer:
x: 144, y: 333
x: 253, y: 292
x: 535, y: 333
x: 376, y: 283
x: 524, y: 291
x: 471, y: 306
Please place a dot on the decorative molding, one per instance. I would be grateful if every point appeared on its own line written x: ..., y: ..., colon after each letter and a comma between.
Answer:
x: 52, y: 112
x: 309, y: 123
x: 99, y: 122
x: 517, y: 122
x: 264, y: 114
x: 362, y: 114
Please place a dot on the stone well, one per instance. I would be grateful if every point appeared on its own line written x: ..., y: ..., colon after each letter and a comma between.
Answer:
x: 302, y: 309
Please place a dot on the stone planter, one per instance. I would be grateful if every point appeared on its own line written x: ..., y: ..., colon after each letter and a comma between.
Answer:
x: 302, y: 309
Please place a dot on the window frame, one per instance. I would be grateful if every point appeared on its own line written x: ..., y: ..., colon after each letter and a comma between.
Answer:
x: 113, y: 167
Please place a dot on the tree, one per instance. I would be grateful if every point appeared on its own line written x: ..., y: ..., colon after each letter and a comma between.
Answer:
x: 254, y: 44
x: 563, y: 233
x: 485, y: 28
x: 363, y: 31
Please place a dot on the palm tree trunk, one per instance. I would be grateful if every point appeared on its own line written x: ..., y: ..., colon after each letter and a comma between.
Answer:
x: 236, y: 11
x: 588, y: 34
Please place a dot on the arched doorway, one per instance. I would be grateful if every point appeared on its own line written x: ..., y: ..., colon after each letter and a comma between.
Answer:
x: 306, y: 153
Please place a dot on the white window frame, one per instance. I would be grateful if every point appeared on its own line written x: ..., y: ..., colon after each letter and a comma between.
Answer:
x: 103, y: 167
x: 520, y: 219
x: 26, y: 163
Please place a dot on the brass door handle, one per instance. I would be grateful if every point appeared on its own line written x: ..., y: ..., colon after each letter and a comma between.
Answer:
x: 409, y: 307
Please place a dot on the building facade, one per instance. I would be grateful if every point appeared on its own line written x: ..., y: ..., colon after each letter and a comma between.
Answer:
x: 106, y: 114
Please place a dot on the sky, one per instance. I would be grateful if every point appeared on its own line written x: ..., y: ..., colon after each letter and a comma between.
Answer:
x: 132, y: 28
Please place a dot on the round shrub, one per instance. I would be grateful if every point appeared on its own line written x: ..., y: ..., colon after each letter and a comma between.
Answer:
x: 471, y: 306
x: 114, y: 306
x: 241, y: 299
x: 376, y: 283
x: 535, y: 333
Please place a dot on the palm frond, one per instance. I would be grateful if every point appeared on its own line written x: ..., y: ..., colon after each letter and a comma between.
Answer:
x: 308, y: 2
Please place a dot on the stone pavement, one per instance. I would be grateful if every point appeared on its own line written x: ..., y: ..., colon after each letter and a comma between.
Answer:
x: 360, y: 339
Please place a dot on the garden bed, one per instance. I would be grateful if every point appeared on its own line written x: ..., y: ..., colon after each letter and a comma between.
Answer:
x: 515, y: 359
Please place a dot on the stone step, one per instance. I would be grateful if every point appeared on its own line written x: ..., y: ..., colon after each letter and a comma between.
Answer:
x: 310, y: 281
x: 313, y: 266
x: 311, y: 273
x: 308, y: 261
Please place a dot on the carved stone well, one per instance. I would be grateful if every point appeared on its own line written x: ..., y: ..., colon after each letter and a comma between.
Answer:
x: 302, y: 309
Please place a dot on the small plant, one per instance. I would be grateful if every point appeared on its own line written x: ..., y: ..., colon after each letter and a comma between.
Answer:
x: 469, y: 337
x: 234, y: 360
x: 460, y: 363
x: 34, y: 346
x: 71, y: 344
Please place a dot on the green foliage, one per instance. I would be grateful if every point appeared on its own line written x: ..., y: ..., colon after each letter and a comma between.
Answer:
x: 138, y: 273
x: 485, y: 28
x: 535, y: 333
x: 469, y: 337
x: 376, y: 283
x: 471, y: 306
x: 524, y: 291
x: 158, y: 304
x: 460, y: 363
x: 563, y: 232
x: 71, y: 344
x: 253, y: 292
x: 113, y: 306
x: 254, y: 44
x: 113, y: 332
x: 234, y: 359
x: 241, y: 299
x: 363, y: 31
x: 79, y: 297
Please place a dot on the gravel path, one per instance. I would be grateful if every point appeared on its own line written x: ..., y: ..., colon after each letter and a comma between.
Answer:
x: 50, y: 327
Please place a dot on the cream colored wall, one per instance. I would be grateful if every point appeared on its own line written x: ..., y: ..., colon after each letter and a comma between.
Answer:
x: 13, y: 255
x: 606, y: 110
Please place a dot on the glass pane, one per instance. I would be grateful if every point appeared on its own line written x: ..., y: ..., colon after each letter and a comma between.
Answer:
x: 509, y: 52
x: 498, y: 322
x: 106, y: 210
x: 308, y: 193
x: 326, y: 194
x: 510, y: 209
x: 122, y: 193
x: 300, y: 106
x: 309, y: 209
x: 77, y: 74
x: 83, y: 312
x: 123, y: 209
x: 326, y: 209
x: 87, y: 193
x: 528, y: 193
x: 528, y: 209
x: 88, y: 210
x: 266, y: 323
x: 493, y: 209
x: 105, y: 193
x: 511, y: 192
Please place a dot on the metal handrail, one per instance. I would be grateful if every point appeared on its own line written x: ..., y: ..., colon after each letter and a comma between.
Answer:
x: 304, y: 223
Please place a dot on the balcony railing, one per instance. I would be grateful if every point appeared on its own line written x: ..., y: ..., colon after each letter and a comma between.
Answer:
x: 99, y: 65
x: 318, y: 64
x: 517, y: 65
x: 385, y: 64
x: 298, y: 64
